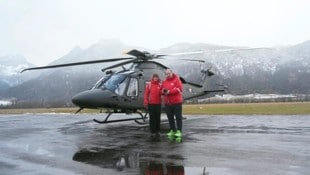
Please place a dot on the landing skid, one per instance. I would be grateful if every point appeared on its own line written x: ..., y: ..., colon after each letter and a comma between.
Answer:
x: 139, y: 120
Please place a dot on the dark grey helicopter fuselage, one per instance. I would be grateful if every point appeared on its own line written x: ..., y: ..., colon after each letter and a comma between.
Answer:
x: 124, y: 90
x: 120, y: 90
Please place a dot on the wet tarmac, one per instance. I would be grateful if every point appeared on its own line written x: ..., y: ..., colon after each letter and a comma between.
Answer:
x: 211, y: 145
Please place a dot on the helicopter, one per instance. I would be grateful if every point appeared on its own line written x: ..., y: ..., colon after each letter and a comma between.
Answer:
x: 122, y: 91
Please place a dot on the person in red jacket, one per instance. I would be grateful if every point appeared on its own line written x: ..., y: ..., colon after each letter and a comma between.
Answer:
x: 152, y: 101
x: 172, y: 88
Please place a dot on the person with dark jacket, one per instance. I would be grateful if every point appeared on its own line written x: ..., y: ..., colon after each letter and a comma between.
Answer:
x: 172, y: 88
x: 152, y: 101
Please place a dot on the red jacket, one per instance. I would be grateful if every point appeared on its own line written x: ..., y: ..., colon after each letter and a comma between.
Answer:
x: 152, y: 93
x: 175, y: 87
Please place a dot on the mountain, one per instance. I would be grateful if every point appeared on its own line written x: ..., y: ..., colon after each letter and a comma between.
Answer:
x: 105, y: 48
x: 245, y: 70
x: 10, y: 67
x: 57, y: 86
x: 258, y: 70
x: 13, y: 60
x: 3, y: 85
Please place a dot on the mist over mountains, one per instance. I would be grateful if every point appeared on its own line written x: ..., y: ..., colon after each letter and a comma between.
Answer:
x: 283, y: 70
x: 10, y: 67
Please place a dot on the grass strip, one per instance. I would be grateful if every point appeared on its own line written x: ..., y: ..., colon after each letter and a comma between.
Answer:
x: 296, y: 108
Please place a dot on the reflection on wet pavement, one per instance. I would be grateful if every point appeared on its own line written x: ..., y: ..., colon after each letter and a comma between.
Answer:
x: 73, y: 144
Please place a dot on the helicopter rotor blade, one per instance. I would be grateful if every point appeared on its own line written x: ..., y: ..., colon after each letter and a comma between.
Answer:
x: 240, y: 49
x: 78, y: 63
x: 196, y: 60
x: 120, y: 64
x: 209, y: 51
x: 181, y: 53
x: 202, y: 61
x: 160, y: 56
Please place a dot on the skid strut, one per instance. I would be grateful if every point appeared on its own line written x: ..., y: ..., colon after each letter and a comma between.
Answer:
x: 137, y: 119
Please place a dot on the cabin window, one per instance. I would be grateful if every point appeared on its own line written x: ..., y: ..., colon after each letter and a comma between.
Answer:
x: 132, y: 87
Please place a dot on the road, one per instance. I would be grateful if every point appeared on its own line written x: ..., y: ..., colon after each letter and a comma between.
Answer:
x: 221, y: 144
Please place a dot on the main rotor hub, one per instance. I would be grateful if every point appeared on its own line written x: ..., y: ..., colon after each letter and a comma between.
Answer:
x: 143, y: 55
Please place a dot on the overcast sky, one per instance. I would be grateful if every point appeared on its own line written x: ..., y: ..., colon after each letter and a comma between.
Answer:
x: 44, y: 30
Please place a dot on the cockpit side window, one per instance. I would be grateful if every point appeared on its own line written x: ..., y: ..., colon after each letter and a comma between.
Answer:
x: 121, y: 87
x: 114, y: 82
x: 132, y: 87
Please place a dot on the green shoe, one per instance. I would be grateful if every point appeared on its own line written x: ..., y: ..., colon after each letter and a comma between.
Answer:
x: 171, y: 138
x: 178, y: 133
x: 171, y: 133
x: 178, y: 139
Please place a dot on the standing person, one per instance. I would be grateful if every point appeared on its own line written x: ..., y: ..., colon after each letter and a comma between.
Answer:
x: 172, y: 89
x: 152, y: 101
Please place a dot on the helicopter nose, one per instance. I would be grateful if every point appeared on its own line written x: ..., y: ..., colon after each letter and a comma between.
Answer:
x: 93, y: 98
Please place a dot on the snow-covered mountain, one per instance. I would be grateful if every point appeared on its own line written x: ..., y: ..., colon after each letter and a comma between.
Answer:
x: 264, y: 70
x: 232, y: 61
x: 10, y: 67
x: 59, y: 85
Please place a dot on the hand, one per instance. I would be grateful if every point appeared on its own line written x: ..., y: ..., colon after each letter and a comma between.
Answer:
x: 165, y: 91
x: 145, y: 106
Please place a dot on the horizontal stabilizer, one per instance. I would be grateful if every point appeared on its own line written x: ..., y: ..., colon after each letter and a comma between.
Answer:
x: 193, y: 84
x: 217, y: 90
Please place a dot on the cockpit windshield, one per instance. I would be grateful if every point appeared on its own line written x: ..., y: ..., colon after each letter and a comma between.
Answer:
x: 100, y: 82
x: 114, y: 81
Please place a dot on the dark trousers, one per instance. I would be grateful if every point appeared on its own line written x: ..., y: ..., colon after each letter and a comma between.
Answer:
x: 154, y: 111
x: 174, y: 110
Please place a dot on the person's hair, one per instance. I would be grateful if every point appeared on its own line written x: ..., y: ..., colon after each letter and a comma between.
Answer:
x: 169, y: 70
x: 155, y: 75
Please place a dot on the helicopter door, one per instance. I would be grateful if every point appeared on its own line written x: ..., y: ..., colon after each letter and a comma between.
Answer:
x: 132, y: 90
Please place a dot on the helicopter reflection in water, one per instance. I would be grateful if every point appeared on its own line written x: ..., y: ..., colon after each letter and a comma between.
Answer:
x: 108, y: 158
x: 160, y: 168
x: 120, y: 160
x: 129, y: 148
